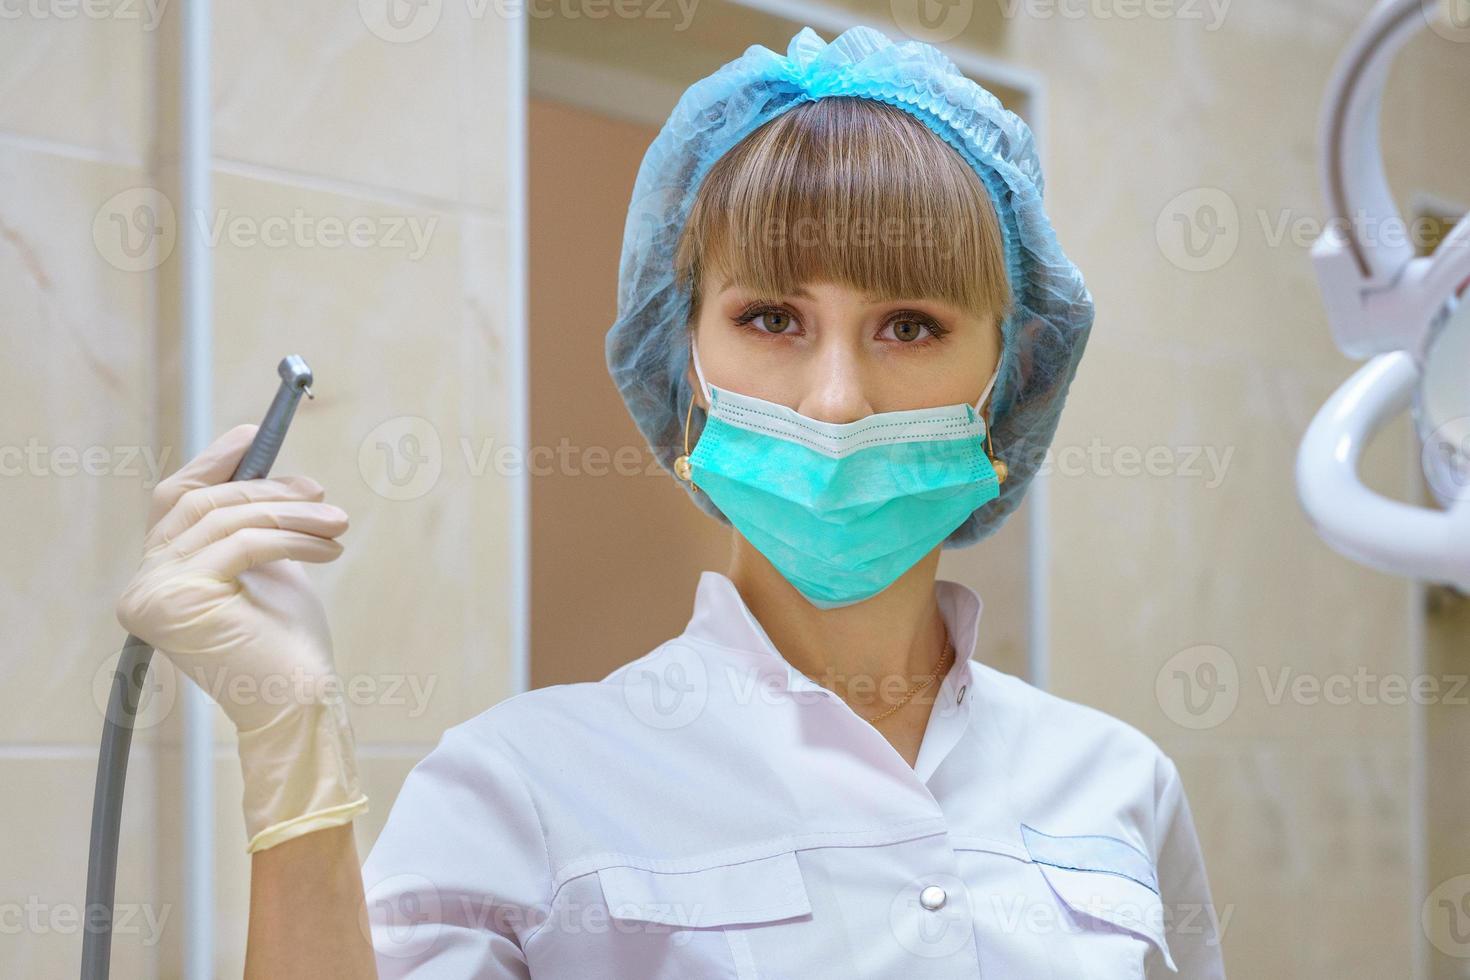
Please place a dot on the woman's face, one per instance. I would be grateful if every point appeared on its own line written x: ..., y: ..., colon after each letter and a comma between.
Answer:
x: 836, y: 355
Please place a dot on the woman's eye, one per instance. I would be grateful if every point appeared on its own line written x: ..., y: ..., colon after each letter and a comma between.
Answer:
x: 908, y: 329
x: 772, y: 321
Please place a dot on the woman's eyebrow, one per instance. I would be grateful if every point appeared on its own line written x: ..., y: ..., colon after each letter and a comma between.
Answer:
x: 729, y: 284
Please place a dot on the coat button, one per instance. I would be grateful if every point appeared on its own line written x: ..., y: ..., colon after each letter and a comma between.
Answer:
x: 961, y: 698
x: 932, y: 897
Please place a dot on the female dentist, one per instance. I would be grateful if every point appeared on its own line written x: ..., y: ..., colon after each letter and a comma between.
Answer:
x: 841, y: 259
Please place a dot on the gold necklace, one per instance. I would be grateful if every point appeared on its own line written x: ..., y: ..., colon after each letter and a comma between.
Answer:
x: 933, y: 676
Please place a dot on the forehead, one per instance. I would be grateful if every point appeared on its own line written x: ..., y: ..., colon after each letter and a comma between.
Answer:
x: 868, y: 295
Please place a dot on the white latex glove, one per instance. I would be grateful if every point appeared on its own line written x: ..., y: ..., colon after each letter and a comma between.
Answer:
x: 214, y: 596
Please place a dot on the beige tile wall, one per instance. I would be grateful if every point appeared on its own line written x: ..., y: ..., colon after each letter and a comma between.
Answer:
x: 1448, y: 805
x: 321, y: 126
x: 76, y: 334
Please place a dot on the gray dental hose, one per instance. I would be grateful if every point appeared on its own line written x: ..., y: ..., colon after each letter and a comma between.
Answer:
x: 126, y: 693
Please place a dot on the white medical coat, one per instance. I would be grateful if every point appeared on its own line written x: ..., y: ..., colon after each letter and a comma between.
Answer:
x: 707, y: 811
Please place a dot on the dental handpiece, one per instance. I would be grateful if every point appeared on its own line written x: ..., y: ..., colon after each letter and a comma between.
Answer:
x: 261, y: 456
x: 126, y: 695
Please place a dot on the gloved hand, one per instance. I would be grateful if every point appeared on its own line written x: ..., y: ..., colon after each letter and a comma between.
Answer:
x: 214, y: 597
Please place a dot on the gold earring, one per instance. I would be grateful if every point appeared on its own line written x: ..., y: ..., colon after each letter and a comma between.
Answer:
x: 681, y: 463
x: 1001, y: 470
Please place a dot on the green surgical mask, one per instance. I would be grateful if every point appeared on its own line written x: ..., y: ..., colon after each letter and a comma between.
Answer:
x: 842, y: 509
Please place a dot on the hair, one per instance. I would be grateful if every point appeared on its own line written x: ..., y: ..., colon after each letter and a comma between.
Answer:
x: 848, y: 190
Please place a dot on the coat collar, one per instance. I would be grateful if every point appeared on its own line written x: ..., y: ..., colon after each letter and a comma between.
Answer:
x: 721, y: 618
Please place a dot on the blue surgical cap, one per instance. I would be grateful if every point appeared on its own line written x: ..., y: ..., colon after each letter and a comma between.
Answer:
x: 647, y: 347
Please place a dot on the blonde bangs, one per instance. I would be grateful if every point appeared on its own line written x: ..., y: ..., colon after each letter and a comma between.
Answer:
x: 852, y: 191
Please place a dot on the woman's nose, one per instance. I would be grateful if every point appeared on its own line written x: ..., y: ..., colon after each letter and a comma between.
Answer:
x: 835, y: 389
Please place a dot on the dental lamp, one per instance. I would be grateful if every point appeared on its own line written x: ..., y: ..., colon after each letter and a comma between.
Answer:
x: 1401, y: 311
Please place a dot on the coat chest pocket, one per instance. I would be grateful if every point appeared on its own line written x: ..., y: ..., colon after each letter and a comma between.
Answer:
x: 1111, y: 895
x: 705, y: 922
